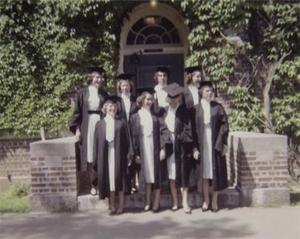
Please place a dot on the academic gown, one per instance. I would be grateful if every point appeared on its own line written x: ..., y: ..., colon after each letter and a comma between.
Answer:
x: 219, y: 134
x: 183, y: 143
x: 100, y: 164
x: 80, y: 119
x: 187, y: 98
x: 159, y: 130
x: 121, y: 114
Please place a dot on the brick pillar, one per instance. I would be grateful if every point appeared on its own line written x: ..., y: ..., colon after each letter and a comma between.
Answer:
x: 262, y: 170
x: 53, y: 175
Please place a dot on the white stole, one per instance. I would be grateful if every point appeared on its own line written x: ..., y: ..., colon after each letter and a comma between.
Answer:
x: 110, y: 128
x: 195, y: 94
x: 161, y: 95
x: 146, y: 121
x: 206, y: 111
x: 170, y: 118
x: 127, y: 103
x: 93, y: 100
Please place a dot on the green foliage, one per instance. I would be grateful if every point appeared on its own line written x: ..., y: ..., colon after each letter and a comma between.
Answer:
x: 45, y: 46
x: 239, y: 43
x: 16, y: 199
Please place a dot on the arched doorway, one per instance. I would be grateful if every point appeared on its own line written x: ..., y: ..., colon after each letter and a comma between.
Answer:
x: 153, y: 37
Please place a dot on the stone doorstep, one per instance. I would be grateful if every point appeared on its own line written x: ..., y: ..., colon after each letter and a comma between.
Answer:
x: 227, y: 198
x: 294, y: 188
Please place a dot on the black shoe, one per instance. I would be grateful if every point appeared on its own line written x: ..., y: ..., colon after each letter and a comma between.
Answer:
x: 120, y: 211
x: 215, y: 210
x: 112, y: 212
x: 156, y: 210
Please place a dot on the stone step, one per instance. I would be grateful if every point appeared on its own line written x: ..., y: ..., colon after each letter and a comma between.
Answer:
x: 230, y: 197
x: 294, y: 188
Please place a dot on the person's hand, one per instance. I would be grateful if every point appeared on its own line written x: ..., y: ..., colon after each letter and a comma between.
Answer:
x: 162, y: 154
x: 196, y: 154
x: 138, y: 159
x: 77, y: 134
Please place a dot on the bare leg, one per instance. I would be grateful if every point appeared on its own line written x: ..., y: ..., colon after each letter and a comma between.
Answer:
x: 214, y: 203
x: 205, y: 194
x: 156, y: 200
x: 185, y: 205
x: 93, y: 179
x: 174, y: 194
x: 148, y: 196
x: 112, y: 200
x: 121, y: 202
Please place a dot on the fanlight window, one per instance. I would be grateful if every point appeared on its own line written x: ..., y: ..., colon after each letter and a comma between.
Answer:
x: 153, y: 30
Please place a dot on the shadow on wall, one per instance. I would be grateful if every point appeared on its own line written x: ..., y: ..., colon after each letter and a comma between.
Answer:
x: 245, y: 178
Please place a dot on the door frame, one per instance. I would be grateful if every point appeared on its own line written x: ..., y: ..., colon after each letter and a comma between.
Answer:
x: 141, y: 11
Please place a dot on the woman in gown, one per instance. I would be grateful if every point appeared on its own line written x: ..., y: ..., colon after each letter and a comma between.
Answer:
x: 126, y: 108
x: 146, y: 130
x: 179, y: 161
x: 86, y: 114
x: 110, y: 153
x: 211, y: 132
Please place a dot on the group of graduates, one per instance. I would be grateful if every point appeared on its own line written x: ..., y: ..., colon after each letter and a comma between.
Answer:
x: 167, y: 132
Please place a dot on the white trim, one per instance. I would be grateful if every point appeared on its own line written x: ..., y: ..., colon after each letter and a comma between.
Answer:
x: 143, y: 10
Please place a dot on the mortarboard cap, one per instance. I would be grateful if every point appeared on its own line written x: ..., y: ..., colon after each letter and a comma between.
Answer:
x: 191, y: 69
x: 139, y: 91
x: 173, y: 90
x: 112, y: 98
x: 97, y: 69
x: 124, y: 76
x: 162, y: 69
x: 205, y: 83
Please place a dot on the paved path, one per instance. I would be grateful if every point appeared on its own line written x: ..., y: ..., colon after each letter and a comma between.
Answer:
x: 283, y: 223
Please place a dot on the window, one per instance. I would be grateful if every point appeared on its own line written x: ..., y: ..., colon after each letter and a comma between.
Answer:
x: 153, y: 30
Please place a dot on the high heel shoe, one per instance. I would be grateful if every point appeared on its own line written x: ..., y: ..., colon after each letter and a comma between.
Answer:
x: 215, y: 210
x: 112, y: 212
x: 93, y: 191
x: 204, y: 208
x: 155, y: 210
x: 174, y: 208
x: 120, y: 211
x: 187, y: 210
x: 147, y: 208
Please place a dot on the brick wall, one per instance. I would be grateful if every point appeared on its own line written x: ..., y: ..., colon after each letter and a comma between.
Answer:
x: 53, y: 175
x: 50, y: 178
x: 14, y: 160
x: 268, y: 173
x: 261, y: 168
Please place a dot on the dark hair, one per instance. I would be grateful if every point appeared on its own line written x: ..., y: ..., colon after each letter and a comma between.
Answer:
x: 141, y: 98
x: 156, y: 73
x: 104, y: 107
x: 201, y: 89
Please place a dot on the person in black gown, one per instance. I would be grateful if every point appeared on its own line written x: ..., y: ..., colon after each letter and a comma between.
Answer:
x: 111, y: 156
x: 146, y: 131
x: 126, y: 108
x: 211, y: 132
x: 87, y: 113
x: 180, y: 160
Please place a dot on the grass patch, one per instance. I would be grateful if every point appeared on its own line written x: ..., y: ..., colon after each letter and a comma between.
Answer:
x: 15, y: 199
